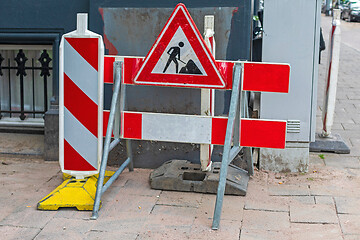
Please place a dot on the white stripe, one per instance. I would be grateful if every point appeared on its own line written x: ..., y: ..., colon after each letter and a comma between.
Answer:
x: 176, y: 128
x: 81, y: 72
x: 81, y: 139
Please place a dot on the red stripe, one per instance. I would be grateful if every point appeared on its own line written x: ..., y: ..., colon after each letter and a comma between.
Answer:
x: 88, y: 48
x: 80, y: 105
x: 324, y: 122
x: 109, y: 69
x: 226, y: 69
x: 218, y: 130
x: 266, y: 77
x: 131, y: 67
x: 106, y: 115
x: 73, y: 161
x: 132, y: 125
x: 262, y: 133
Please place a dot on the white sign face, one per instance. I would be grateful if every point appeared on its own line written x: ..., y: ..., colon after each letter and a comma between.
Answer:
x: 179, y: 58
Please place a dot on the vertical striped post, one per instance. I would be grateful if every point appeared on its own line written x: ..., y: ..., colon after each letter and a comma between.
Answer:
x: 81, y: 101
x: 332, y: 75
x: 208, y: 95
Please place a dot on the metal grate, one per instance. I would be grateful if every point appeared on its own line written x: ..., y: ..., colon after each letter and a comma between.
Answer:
x: 293, y: 126
x: 24, y: 83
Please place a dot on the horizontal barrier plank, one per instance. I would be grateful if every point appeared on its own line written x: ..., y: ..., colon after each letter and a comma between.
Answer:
x: 262, y: 133
x: 266, y: 77
x: 173, y: 127
x: 200, y: 129
x: 258, y: 77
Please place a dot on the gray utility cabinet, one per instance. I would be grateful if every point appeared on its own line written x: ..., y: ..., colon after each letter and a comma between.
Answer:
x: 291, y: 35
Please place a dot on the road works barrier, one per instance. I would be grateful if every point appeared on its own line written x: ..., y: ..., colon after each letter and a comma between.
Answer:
x: 161, y: 68
x: 180, y: 58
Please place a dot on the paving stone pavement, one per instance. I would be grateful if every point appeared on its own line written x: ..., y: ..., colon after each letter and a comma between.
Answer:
x: 321, y: 204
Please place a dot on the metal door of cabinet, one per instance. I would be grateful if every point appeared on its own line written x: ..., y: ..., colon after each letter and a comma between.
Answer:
x: 291, y: 35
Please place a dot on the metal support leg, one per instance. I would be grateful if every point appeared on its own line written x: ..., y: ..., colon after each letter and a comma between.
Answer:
x: 129, y: 154
x: 248, y: 157
x: 227, y: 146
x: 248, y: 150
x: 95, y: 213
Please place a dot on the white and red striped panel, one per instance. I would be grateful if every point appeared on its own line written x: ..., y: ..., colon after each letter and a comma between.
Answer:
x: 81, y: 84
x: 200, y: 129
x: 257, y: 77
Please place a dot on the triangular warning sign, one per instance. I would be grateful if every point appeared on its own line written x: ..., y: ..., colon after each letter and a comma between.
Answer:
x: 179, y: 57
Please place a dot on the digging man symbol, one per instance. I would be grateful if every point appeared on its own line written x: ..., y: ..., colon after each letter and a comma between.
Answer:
x: 174, y: 52
x: 174, y: 56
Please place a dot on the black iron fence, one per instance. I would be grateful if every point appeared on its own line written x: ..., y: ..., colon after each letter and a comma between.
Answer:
x: 22, y: 70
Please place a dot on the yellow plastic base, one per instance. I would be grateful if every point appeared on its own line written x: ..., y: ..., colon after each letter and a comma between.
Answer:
x: 78, y: 193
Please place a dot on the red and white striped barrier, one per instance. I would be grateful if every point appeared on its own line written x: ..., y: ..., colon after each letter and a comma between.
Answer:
x: 200, y: 129
x: 259, y: 77
x: 81, y: 101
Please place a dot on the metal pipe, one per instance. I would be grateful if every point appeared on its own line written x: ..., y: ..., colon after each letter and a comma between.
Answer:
x: 236, y: 138
x: 26, y: 123
x: 226, y: 152
x: 122, y: 106
x: 129, y: 153
x: 118, y: 70
x: 115, y: 176
x: 248, y: 150
x: 114, y: 143
x: 233, y: 152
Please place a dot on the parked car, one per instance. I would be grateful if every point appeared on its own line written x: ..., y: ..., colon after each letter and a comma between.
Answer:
x: 350, y: 11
